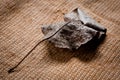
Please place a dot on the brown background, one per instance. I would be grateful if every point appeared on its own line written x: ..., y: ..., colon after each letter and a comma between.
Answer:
x: 20, y: 30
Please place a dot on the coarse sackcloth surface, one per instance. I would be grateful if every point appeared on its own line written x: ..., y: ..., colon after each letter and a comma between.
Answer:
x: 20, y: 30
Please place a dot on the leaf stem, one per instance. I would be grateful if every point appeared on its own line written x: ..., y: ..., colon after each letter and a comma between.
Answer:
x: 13, y: 68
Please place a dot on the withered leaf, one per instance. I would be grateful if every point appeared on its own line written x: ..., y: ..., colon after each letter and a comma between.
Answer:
x: 78, y: 29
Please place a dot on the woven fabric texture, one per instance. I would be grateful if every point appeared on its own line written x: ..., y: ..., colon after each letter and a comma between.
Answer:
x: 20, y: 31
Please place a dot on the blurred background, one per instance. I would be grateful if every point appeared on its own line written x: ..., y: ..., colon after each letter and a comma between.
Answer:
x: 20, y: 30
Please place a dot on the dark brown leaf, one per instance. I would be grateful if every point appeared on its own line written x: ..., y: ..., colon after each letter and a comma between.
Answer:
x: 78, y: 29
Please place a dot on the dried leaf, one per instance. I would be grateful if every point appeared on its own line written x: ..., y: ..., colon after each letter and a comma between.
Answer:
x: 78, y: 29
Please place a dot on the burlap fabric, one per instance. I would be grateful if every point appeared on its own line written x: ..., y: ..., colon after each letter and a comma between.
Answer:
x: 20, y: 30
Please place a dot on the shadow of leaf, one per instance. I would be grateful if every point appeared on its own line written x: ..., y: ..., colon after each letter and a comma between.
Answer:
x: 85, y: 53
